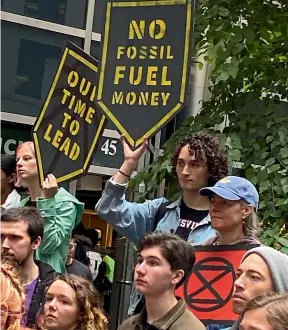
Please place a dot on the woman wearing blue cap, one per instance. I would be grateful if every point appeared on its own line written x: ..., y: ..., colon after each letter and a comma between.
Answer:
x: 233, y: 211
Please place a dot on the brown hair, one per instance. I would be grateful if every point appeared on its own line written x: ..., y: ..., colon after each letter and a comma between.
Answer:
x: 276, y: 306
x: 12, y: 293
x: 207, y: 148
x: 29, y: 214
x: 91, y: 315
x: 179, y: 253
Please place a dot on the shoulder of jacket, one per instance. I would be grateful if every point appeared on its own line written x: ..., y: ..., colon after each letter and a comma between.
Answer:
x: 126, y: 325
x: 187, y: 320
x: 65, y: 196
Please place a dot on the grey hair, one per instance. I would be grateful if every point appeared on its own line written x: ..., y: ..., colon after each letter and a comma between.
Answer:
x: 251, y: 225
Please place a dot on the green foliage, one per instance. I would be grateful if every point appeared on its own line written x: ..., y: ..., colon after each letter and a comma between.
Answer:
x: 247, y: 45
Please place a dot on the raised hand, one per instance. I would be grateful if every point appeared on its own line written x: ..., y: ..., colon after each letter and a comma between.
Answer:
x: 131, y: 159
x: 50, y: 186
x: 133, y: 156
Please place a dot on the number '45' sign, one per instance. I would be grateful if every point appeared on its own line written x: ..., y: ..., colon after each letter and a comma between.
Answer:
x: 109, y: 147
x: 110, y: 154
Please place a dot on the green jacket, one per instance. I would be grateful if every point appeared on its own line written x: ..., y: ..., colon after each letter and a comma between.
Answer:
x: 61, y: 215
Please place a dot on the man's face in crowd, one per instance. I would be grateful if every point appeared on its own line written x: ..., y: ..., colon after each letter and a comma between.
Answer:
x: 192, y: 173
x: 15, y: 240
x: 153, y: 274
x: 72, y: 248
x: 253, y: 279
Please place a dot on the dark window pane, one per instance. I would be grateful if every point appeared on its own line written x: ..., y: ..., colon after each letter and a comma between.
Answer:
x: 99, y: 16
x: 29, y: 59
x: 96, y: 53
x: 66, y: 12
x: 96, y: 50
x: 30, y: 69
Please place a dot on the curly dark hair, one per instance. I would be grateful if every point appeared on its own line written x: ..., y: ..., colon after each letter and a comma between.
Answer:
x: 207, y: 148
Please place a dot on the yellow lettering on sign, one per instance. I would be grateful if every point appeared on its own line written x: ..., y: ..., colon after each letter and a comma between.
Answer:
x: 93, y: 93
x: 155, y: 98
x: 84, y: 89
x: 89, y: 115
x: 151, y: 74
x: 136, y: 28
x: 164, y: 81
x: 117, y: 98
x: 153, y: 52
x: 120, y: 51
x: 66, y: 118
x: 131, y: 52
x: 169, y: 55
x: 161, y: 27
x: 141, y: 98
x: 57, y: 139
x: 80, y: 108
x: 75, y: 151
x: 65, y: 146
x: 143, y: 52
x: 132, y: 79
x: 74, y: 127
x: 72, y: 102
x: 157, y: 29
x: 165, y: 97
x: 46, y: 135
x: 131, y: 98
x: 65, y: 95
x: 118, y: 73
x: 73, y: 78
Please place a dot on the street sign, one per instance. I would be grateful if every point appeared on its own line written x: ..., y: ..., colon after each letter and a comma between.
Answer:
x: 145, y: 65
x: 12, y: 135
x: 69, y: 127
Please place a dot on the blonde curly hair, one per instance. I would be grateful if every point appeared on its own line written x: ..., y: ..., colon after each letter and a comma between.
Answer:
x: 91, y: 315
x: 12, y: 293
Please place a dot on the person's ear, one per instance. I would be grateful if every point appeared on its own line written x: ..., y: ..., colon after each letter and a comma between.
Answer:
x: 12, y: 178
x: 247, y: 210
x: 178, y: 275
x: 36, y: 243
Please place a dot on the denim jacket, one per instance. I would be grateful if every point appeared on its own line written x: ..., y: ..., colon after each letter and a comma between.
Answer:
x: 133, y: 220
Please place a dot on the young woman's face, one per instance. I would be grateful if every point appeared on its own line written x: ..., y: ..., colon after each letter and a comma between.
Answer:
x: 26, y: 163
x: 61, y: 311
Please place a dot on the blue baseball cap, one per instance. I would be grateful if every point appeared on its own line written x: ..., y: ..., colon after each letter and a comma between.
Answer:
x: 234, y: 188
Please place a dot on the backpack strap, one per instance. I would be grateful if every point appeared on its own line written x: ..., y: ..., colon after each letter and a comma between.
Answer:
x: 162, y: 210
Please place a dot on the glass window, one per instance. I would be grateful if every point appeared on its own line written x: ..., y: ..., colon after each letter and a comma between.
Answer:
x: 99, y: 15
x: 96, y: 50
x: 29, y: 59
x: 96, y: 53
x: 66, y: 12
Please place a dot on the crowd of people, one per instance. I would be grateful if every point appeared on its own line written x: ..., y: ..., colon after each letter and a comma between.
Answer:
x: 46, y: 281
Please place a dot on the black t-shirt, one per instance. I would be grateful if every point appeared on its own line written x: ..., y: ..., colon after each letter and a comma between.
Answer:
x: 189, y: 220
x: 77, y: 268
x: 146, y: 326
